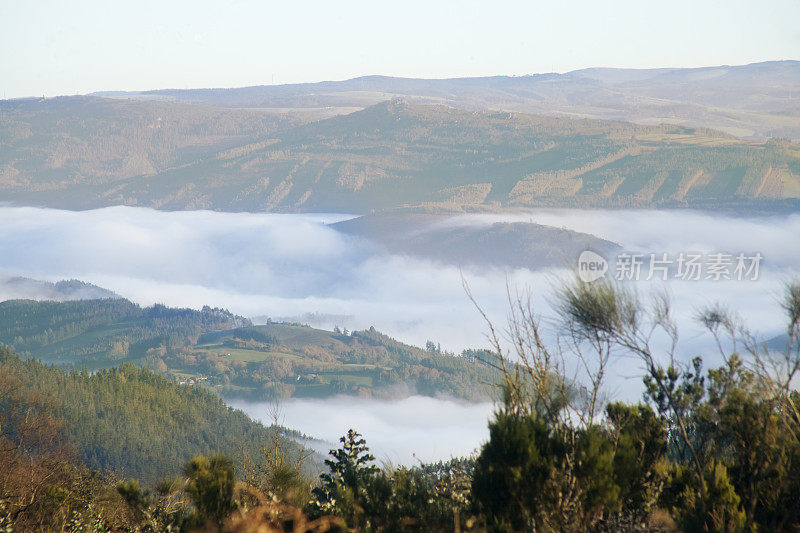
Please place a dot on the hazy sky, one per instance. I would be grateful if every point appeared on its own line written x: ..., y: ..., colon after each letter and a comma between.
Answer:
x: 52, y: 47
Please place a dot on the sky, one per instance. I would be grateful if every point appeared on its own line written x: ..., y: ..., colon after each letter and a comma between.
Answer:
x: 52, y: 47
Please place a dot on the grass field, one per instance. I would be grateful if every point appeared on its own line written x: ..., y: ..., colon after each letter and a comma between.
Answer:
x: 350, y: 379
x: 290, y: 334
x: 239, y: 354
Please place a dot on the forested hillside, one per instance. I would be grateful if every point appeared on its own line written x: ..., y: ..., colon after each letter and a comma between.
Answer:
x: 128, y: 419
x: 292, y: 360
x: 220, y: 351
x: 102, y: 332
x: 400, y: 154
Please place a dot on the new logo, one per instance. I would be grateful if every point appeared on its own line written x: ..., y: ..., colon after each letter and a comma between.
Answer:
x: 591, y: 266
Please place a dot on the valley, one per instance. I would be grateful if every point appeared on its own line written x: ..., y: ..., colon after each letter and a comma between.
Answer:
x: 472, y: 303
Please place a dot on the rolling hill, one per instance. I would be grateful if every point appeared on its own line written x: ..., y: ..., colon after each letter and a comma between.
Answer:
x: 227, y: 354
x: 63, y: 143
x: 399, y: 154
x: 104, y: 332
x: 451, y: 240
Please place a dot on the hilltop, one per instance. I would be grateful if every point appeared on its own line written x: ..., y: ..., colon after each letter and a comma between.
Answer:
x: 17, y: 288
x: 464, y: 242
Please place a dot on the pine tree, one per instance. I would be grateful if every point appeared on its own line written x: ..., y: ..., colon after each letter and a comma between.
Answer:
x: 344, y: 490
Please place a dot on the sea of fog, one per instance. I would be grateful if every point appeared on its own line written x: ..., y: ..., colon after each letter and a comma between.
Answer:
x: 292, y: 265
x: 406, y: 431
x: 295, y: 266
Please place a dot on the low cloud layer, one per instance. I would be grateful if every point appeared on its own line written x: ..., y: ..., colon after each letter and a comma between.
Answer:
x: 404, y: 431
x: 776, y: 236
x: 253, y: 264
x: 289, y: 265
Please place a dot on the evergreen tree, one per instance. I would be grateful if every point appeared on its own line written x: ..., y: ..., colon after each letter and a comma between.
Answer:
x: 344, y: 489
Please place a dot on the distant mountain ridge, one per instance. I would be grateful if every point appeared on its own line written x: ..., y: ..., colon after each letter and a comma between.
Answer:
x: 757, y: 101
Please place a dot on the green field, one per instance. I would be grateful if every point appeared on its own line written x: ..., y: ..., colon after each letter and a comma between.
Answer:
x: 239, y: 354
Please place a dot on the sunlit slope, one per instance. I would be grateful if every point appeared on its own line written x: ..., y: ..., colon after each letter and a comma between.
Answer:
x: 103, y: 332
x: 398, y: 154
x: 227, y: 354
x: 67, y: 143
